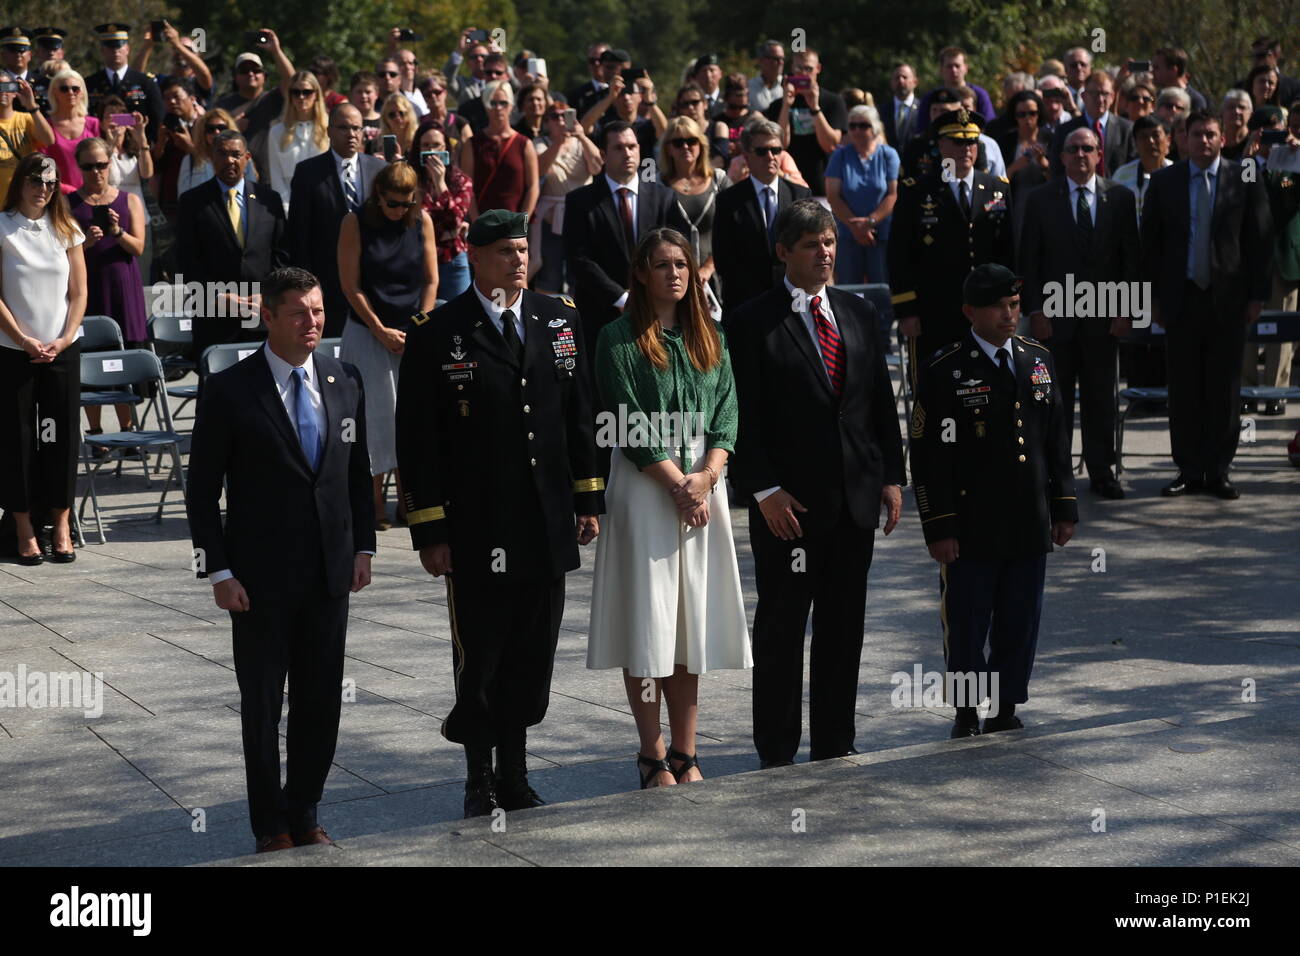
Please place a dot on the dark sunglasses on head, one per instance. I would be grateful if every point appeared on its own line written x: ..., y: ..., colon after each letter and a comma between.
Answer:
x: 768, y: 150
x: 88, y: 167
x: 1081, y: 148
x: 400, y: 203
x: 1024, y: 114
x: 302, y: 93
x: 681, y: 142
x: 859, y: 126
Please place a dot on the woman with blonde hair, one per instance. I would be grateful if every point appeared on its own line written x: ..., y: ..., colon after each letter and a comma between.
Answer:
x: 685, y: 167
x: 196, y: 168
x: 70, y: 123
x: 301, y: 133
x: 388, y: 268
x: 501, y: 162
x: 666, y: 600
x: 397, y: 118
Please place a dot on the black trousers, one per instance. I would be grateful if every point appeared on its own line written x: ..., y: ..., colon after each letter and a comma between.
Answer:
x: 40, y: 429
x: 998, y: 601
x: 504, y: 632
x: 299, y: 633
x: 1204, y: 356
x: 828, y: 573
x: 1089, y: 361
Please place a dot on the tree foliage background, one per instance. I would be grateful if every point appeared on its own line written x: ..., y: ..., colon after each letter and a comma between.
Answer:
x: 859, y: 40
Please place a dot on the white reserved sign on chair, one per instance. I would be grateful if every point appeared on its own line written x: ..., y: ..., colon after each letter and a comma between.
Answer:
x: 112, y: 365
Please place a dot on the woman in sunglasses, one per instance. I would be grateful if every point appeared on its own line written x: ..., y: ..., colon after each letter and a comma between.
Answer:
x: 501, y: 162
x: 684, y: 167
x: 397, y: 118
x: 70, y: 125
x: 301, y: 133
x: 196, y: 169
x: 388, y: 267
x: 1138, y: 97
x: 862, y: 187
x: 112, y: 252
x: 42, y: 301
x: 1024, y: 144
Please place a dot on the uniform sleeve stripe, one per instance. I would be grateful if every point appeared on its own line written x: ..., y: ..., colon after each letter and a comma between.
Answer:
x: 903, y: 297
x: 588, y: 484
x: 951, y: 514
x: 425, y: 515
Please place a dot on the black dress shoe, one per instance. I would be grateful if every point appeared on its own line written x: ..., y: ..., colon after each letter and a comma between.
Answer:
x: 63, y: 557
x: 1109, y: 487
x: 1181, y: 486
x: 31, y: 560
x: 480, y: 784
x: 1223, y: 488
x: 962, y: 728
x: 1275, y: 407
x: 1249, y: 408
x: 1002, y: 722
x: 769, y: 764
x: 511, y: 783
x: 831, y: 756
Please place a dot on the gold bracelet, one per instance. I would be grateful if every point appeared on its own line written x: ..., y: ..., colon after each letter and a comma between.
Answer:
x: 713, y: 477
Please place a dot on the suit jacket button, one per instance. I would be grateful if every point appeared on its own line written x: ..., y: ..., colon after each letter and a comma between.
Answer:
x: 527, y: 409
x: 530, y: 436
x: 1022, y: 457
x: 523, y: 381
x: 1019, y: 423
x: 1017, y: 404
x: 532, y: 461
x: 460, y: 388
x: 963, y: 491
x: 1021, y: 440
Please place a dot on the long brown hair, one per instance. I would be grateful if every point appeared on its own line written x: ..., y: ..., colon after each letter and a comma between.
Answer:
x: 399, y: 178
x: 699, y: 334
x: 65, y: 227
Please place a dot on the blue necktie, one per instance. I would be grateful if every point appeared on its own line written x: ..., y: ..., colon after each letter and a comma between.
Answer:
x: 767, y: 209
x: 305, y: 419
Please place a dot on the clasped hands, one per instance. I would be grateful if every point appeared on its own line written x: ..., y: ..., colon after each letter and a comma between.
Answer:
x: 691, y: 495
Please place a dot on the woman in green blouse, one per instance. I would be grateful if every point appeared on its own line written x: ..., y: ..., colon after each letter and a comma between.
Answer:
x: 666, y: 600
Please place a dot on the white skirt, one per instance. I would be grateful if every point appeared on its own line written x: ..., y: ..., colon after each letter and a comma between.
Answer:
x: 378, y: 368
x: 664, y: 593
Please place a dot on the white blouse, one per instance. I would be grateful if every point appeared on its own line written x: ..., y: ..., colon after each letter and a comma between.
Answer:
x: 34, y: 279
x: 282, y: 161
x: 124, y: 173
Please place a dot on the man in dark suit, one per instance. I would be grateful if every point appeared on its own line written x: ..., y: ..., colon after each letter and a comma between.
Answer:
x: 602, y: 223
x: 1113, y: 130
x: 229, y: 232
x: 818, y: 453
x: 285, y: 432
x: 582, y: 97
x: 945, y: 226
x: 496, y: 443
x: 744, y: 225
x: 138, y: 90
x: 1080, y: 235
x: 1207, y: 249
x: 995, y: 491
x: 325, y: 189
x: 900, y: 110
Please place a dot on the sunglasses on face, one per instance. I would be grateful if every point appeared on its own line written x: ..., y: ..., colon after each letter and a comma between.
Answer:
x: 499, y: 104
x: 302, y: 93
x: 1081, y: 148
x: 89, y: 167
x: 389, y: 73
x: 438, y: 92
x: 250, y: 70
x: 494, y: 72
x: 69, y: 89
x: 213, y: 130
x: 399, y: 203
x: 859, y: 126
x: 40, y: 183
x: 395, y: 114
x: 683, y: 142
x: 1025, y: 114
x: 768, y: 150
x: 689, y: 104
x: 1141, y: 99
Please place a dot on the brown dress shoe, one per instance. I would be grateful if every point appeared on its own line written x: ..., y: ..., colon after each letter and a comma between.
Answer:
x: 279, y: 841
x: 315, y: 835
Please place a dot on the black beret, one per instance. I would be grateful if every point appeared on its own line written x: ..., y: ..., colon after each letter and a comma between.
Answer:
x: 989, y: 284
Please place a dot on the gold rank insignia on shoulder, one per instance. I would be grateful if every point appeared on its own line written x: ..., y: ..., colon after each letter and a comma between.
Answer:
x: 909, y: 181
x: 567, y: 300
x: 1005, y: 180
x: 918, y: 421
x: 1027, y: 340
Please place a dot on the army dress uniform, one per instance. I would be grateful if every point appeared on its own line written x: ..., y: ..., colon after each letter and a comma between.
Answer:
x: 935, y: 244
x: 991, y: 467
x: 47, y: 39
x: 497, y: 456
x: 138, y: 90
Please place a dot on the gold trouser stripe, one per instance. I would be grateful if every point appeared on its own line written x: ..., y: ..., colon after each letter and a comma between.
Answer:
x: 455, y: 635
x: 903, y: 297
x: 1066, y: 498
x: 425, y: 515
x: 951, y: 514
x: 588, y: 484
x: 943, y: 618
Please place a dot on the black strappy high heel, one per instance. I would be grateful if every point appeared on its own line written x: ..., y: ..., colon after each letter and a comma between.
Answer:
x: 687, y: 763
x: 656, y: 766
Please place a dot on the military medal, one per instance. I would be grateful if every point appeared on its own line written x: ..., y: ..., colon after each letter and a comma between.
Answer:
x: 457, y: 353
x: 555, y: 323
x: 1040, y: 375
x: 979, y: 429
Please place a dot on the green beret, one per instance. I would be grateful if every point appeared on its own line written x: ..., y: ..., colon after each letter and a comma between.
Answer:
x: 498, y: 224
x: 989, y: 284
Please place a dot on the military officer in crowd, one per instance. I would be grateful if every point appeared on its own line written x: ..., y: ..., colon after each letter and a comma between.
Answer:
x: 16, y: 59
x: 138, y: 90
x: 994, y: 487
x: 47, y: 44
x: 920, y: 155
x: 945, y: 225
x: 496, y: 444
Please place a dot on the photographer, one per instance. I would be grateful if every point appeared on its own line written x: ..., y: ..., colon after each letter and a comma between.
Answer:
x: 21, y: 132
x: 175, y: 141
x: 186, y: 64
x: 253, y: 108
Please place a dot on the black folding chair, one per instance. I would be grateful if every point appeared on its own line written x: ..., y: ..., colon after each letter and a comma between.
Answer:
x: 176, y: 330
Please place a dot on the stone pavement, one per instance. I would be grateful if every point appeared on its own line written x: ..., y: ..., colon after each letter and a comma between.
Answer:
x: 1137, y: 711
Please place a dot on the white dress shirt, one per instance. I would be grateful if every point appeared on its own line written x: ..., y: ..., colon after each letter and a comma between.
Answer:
x: 992, y: 351
x: 284, y: 160
x: 416, y: 99
x: 969, y: 180
x: 1090, y: 187
x: 635, y: 198
x: 810, y: 325
x: 770, y: 189
x: 116, y: 76
x: 494, y: 311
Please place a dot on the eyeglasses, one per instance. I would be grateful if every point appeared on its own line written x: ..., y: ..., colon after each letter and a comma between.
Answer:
x: 859, y: 126
x: 89, y: 167
x: 399, y: 203
x: 69, y: 89
x: 1081, y: 148
x: 1076, y: 63
x: 687, y: 104
x: 248, y: 70
x: 43, y: 183
x: 389, y: 73
x: 395, y: 114
x: 494, y: 72
x: 302, y: 94
x: 1141, y: 99
x: 768, y: 150
x: 210, y: 130
x: 499, y: 104
x: 1025, y: 114
x: 682, y: 142
x: 437, y: 92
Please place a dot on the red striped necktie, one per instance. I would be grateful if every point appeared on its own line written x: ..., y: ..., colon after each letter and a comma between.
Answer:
x: 829, y: 339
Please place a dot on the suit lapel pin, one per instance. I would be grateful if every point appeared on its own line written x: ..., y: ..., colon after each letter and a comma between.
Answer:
x: 330, y: 379
x: 974, y: 354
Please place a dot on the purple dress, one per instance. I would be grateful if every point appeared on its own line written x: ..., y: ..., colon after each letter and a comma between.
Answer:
x: 113, y: 285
